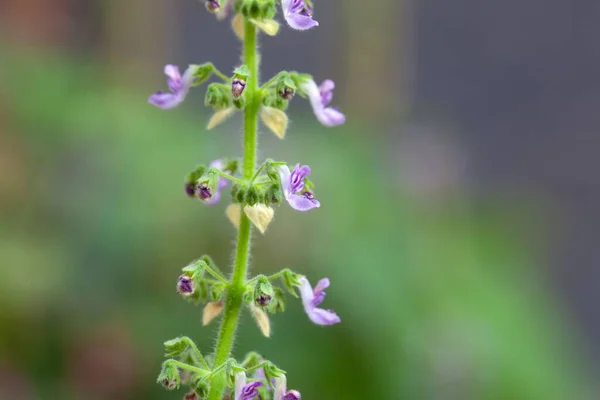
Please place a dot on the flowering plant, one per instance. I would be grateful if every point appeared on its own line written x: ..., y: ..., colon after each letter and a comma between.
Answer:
x: 254, y: 189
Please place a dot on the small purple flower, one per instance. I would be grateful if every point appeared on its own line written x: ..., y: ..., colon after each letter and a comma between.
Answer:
x: 320, y: 97
x: 312, y: 298
x: 178, y: 85
x: 245, y: 391
x: 281, y: 393
x: 216, y: 197
x: 293, y: 183
x: 298, y: 14
x: 185, y: 285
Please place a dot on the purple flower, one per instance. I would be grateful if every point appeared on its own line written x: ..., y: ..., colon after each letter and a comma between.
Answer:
x: 298, y: 14
x: 312, y: 298
x: 281, y: 393
x: 178, y: 85
x: 320, y: 97
x: 292, y: 183
x: 245, y: 391
x: 216, y: 197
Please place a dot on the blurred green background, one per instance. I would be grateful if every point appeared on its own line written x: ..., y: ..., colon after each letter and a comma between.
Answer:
x: 457, y: 202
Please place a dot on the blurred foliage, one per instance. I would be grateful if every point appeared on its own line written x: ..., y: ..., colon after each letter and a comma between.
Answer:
x: 438, y: 299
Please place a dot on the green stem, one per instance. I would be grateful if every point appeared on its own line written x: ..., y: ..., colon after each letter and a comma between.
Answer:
x: 235, y: 291
x: 189, y: 367
x: 231, y: 178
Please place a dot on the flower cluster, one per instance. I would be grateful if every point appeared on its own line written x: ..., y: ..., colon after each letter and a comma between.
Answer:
x: 254, y: 192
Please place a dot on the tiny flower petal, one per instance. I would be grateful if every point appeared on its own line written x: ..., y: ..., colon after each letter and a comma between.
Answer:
x: 260, y: 215
x: 164, y: 100
x: 326, y: 90
x: 284, y: 175
x: 172, y: 72
x: 220, y: 116
x: 300, y: 22
x: 178, y: 85
x: 302, y: 203
x: 211, y: 311
x: 234, y: 212
x: 327, y: 116
x: 296, y: 14
x: 275, y: 119
x: 319, y: 291
x: 317, y: 315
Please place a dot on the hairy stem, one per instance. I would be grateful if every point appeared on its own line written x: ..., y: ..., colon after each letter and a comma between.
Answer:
x: 235, y: 291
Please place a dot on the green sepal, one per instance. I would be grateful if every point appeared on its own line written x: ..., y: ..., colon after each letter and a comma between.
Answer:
x: 263, y: 291
x: 218, y: 96
x: 291, y: 280
x: 202, y: 72
x: 252, y: 196
x: 242, y: 72
x: 239, y: 103
x: 216, y: 291
x: 169, y: 376
x: 231, y: 165
x: 278, y: 302
x: 252, y: 359
x: 177, y: 346
x: 259, y: 9
x: 274, y: 194
x: 195, y: 270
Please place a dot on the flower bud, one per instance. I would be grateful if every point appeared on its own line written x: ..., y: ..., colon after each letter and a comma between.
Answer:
x: 241, y: 194
x: 208, y: 185
x: 169, y: 376
x: 274, y: 195
x: 237, y: 87
x: 263, y: 291
x: 238, y: 82
x: 251, y: 196
x: 286, y: 87
x: 213, y: 5
x: 185, y: 285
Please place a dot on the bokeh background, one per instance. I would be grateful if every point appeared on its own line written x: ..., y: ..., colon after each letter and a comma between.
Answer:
x: 459, y: 224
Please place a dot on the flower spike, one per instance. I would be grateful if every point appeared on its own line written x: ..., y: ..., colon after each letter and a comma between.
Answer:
x: 298, y: 14
x: 320, y: 97
x: 178, y: 85
x: 312, y: 298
